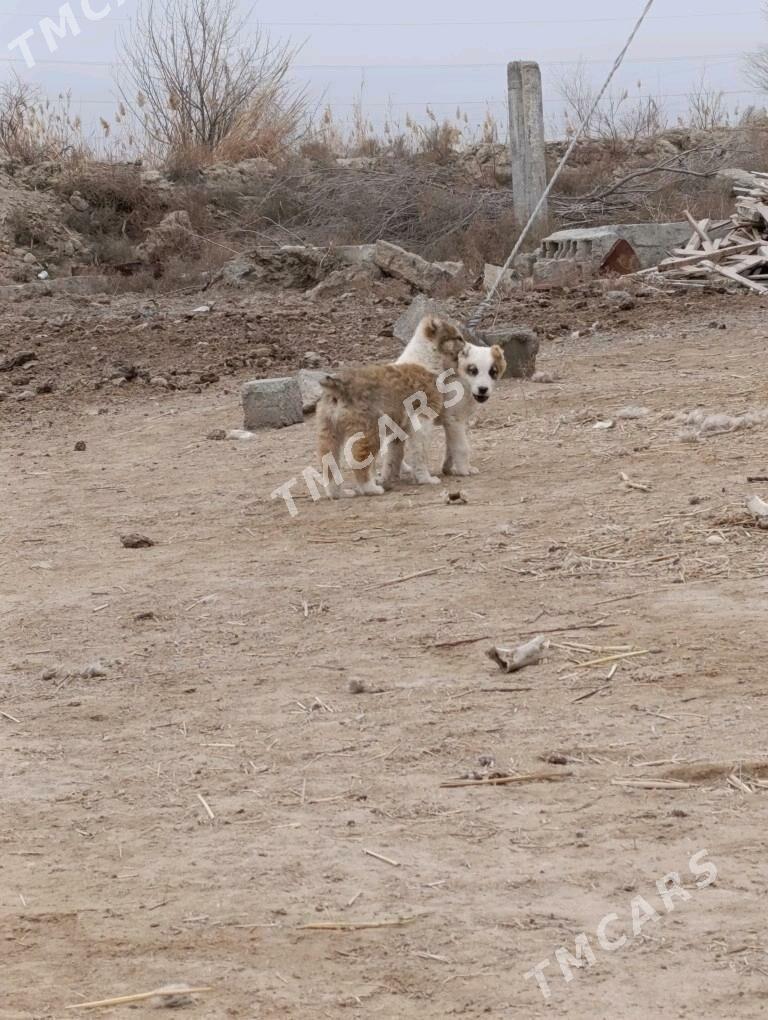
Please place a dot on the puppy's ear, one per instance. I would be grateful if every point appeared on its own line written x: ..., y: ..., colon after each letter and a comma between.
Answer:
x: 430, y: 326
x: 332, y: 384
x: 499, y: 360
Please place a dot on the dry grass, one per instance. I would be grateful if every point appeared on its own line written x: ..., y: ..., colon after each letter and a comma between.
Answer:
x: 34, y: 129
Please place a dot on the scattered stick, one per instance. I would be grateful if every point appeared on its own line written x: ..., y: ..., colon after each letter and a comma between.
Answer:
x: 359, y: 925
x: 384, y: 860
x: 171, y: 992
x: 739, y: 785
x: 502, y: 690
x: 408, y: 577
x: 7, y: 715
x: 534, y: 777
x: 619, y: 657
x: 591, y: 694
x: 652, y: 784
x: 207, y: 807
x: 460, y: 642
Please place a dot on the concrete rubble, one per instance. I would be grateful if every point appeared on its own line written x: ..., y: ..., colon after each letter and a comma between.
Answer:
x: 272, y: 403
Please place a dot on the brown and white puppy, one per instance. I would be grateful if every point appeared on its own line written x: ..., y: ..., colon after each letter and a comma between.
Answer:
x: 374, y: 407
x: 479, y: 370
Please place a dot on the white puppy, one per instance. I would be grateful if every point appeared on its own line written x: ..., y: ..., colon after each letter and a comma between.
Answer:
x: 479, y: 369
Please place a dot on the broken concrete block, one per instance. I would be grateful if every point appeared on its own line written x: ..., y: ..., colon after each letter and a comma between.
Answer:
x: 651, y: 242
x: 406, y: 265
x: 345, y: 281
x: 355, y: 254
x: 561, y: 272
x: 520, y: 346
x: 310, y: 385
x: 508, y: 285
x: 406, y: 325
x: 272, y: 404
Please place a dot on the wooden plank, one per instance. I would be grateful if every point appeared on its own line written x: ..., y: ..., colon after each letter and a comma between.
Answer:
x: 700, y: 230
x: 742, y: 265
x: 691, y: 260
x: 729, y: 274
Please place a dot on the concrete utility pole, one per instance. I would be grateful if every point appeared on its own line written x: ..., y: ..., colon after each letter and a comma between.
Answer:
x: 526, y: 141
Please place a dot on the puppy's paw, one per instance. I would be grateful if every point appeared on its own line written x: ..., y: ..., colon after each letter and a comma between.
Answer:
x: 407, y: 473
x: 460, y: 472
x: 371, y: 489
x: 428, y: 480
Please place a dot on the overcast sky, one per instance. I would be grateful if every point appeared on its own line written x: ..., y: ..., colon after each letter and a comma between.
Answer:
x: 410, y: 55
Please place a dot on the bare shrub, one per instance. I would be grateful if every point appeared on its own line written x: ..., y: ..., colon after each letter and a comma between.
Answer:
x: 707, y: 107
x: 205, y: 88
x: 34, y: 129
x: 621, y: 120
x: 757, y: 62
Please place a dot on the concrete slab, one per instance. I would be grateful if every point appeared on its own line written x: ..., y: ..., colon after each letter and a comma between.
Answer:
x: 272, y: 404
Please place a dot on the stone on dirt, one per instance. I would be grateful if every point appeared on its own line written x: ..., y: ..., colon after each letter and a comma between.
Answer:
x: 520, y: 346
x: 622, y: 300
x: 272, y: 404
x: 311, y: 388
x: 406, y: 325
x: 406, y: 265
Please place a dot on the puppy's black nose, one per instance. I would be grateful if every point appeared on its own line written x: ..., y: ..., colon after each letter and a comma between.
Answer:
x: 482, y: 391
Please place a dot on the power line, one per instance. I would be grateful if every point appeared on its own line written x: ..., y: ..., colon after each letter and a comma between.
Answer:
x: 445, y: 24
x: 494, y: 65
x: 411, y: 103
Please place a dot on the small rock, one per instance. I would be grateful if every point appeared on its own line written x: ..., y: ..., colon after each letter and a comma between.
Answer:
x: 217, y: 436
x: 30, y: 259
x: 240, y: 435
x: 311, y: 360
x: 95, y: 671
x: 622, y: 300
x: 17, y: 360
x: 49, y: 674
x: 159, y: 382
x: 632, y: 413
x: 456, y: 498
x: 23, y: 395
x: 715, y: 540
x: 557, y: 759
x: 45, y: 387
x: 78, y: 203
x: 136, y: 542
x: 208, y: 378
x: 310, y: 384
x: 357, y: 687
x: 80, y: 446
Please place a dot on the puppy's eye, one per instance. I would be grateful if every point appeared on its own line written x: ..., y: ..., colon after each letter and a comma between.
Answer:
x: 473, y: 370
x: 494, y: 373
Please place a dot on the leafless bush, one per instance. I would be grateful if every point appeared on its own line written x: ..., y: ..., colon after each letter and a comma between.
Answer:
x: 707, y: 107
x: 757, y: 62
x: 204, y: 87
x: 651, y: 192
x: 34, y: 129
x: 620, y: 120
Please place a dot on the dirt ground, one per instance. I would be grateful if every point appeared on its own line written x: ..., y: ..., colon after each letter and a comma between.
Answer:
x: 184, y: 814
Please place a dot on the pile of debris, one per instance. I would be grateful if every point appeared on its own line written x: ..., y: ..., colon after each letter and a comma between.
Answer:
x: 739, y: 255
